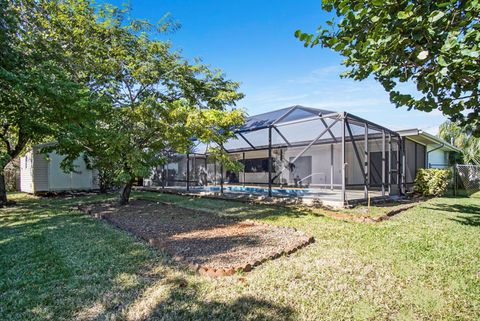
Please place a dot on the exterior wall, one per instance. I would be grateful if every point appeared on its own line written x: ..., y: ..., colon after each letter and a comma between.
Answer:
x: 41, y: 170
x: 80, y: 179
x: 354, y: 172
x: 437, y: 158
x: 321, y: 171
x: 259, y: 177
x: 320, y: 156
x: 42, y: 173
x: 26, y: 173
x: 324, y: 172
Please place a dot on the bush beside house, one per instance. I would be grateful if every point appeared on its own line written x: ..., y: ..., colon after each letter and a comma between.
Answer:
x: 432, y: 181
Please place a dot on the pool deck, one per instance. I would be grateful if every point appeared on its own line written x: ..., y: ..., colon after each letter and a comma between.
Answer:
x: 314, y: 196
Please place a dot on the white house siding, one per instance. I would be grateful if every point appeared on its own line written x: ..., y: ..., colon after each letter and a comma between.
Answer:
x: 40, y: 172
x: 26, y: 173
x: 80, y: 179
x: 59, y: 180
x: 437, y: 158
x: 320, y: 158
x: 354, y: 170
x: 321, y: 164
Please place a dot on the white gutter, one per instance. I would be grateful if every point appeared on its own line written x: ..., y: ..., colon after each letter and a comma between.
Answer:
x: 439, y: 141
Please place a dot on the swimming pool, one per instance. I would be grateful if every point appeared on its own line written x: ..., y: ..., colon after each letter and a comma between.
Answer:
x: 260, y: 190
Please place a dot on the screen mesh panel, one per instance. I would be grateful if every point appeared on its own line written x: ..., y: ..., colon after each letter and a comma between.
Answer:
x: 305, y: 145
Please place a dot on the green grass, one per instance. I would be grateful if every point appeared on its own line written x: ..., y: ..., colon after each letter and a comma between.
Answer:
x: 58, y: 264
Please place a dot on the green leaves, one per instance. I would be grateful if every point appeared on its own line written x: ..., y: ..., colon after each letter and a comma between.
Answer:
x: 157, y: 102
x: 434, y: 44
x: 436, y: 15
x: 462, y: 137
x: 304, y: 37
x: 473, y: 53
x: 432, y: 181
x: 402, y: 15
x: 442, y: 62
x: 39, y: 88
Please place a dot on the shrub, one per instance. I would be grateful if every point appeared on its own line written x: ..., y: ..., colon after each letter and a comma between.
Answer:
x: 432, y: 181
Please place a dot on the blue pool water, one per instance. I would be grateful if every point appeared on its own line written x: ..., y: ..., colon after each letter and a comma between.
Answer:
x: 260, y: 190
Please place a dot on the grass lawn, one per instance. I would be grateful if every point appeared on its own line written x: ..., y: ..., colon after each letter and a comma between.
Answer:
x: 58, y: 264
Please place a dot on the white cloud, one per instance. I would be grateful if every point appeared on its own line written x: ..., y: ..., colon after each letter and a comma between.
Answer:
x: 276, y: 97
x: 319, y: 75
x: 349, y: 104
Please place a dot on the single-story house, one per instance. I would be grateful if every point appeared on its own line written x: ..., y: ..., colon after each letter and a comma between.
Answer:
x: 308, y: 153
x: 437, y: 153
x: 41, y: 173
x: 302, y: 152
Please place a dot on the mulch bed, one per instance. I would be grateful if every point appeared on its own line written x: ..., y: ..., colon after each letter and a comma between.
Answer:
x: 207, y: 243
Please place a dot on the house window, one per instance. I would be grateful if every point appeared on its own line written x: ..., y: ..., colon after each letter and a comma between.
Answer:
x: 256, y: 165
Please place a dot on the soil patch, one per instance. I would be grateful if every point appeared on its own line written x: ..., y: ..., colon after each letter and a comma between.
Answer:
x: 209, y: 243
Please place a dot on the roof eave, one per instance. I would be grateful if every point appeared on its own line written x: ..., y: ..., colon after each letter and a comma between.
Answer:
x: 438, y: 140
x: 432, y: 138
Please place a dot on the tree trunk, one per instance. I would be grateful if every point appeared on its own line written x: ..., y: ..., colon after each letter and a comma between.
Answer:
x: 103, y: 184
x: 125, y: 193
x: 3, y: 188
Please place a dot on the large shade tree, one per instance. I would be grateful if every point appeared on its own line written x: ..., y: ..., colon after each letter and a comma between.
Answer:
x: 434, y: 44
x: 84, y: 76
x: 48, y: 55
x: 160, y: 104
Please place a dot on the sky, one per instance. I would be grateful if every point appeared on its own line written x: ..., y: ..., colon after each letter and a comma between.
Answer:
x: 252, y: 42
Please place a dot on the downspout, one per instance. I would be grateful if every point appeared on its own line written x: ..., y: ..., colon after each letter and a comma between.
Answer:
x: 436, y: 148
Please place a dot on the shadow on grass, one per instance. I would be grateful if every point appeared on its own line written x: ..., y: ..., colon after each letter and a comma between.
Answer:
x: 471, y: 212
x: 59, y: 264
x: 181, y: 302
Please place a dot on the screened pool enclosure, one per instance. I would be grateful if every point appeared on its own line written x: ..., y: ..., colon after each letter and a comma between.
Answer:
x: 297, y: 152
